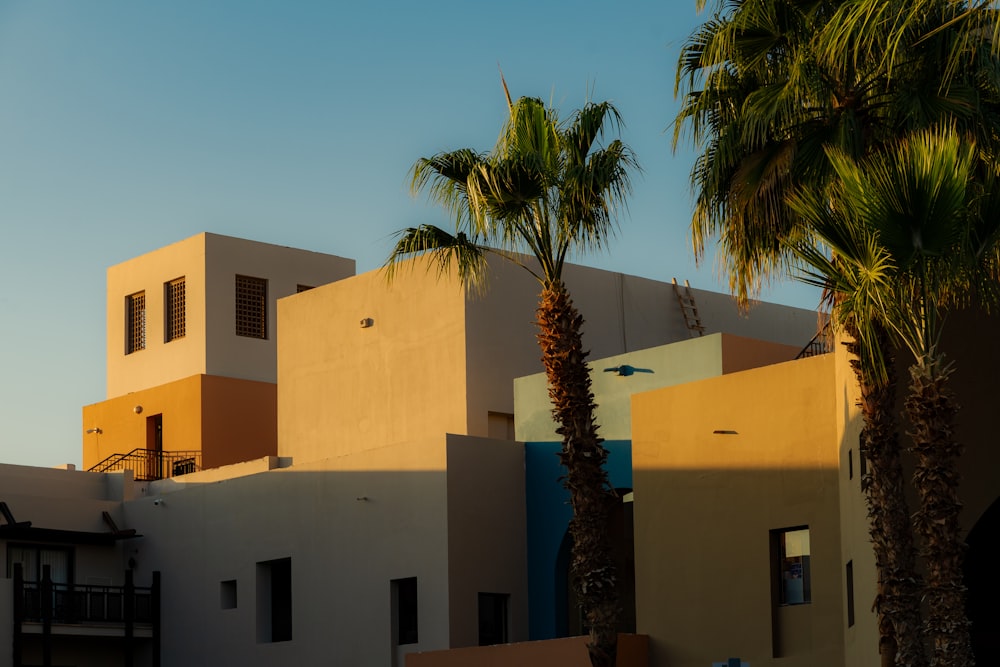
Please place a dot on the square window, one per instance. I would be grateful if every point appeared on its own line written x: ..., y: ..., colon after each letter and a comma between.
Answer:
x: 135, y: 322
x: 175, y: 310
x: 791, y: 568
x: 251, y: 307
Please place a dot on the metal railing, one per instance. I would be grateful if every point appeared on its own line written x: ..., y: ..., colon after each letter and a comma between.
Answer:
x: 821, y: 343
x: 73, y: 603
x: 150, y: 464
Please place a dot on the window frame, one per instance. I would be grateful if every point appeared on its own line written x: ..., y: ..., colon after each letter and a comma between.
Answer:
x: 174, y: 309
x: 135, y: 322
x: 250, y: 307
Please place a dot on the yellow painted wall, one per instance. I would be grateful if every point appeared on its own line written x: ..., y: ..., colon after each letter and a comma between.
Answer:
x: 705, y: 504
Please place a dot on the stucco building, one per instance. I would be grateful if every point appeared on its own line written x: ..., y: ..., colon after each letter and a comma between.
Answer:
x: 372, y: 474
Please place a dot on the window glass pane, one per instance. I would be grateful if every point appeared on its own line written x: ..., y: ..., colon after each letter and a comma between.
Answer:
x: 794, y: 566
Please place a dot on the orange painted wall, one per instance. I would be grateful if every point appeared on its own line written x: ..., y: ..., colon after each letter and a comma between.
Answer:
x: 228, y: 420
x: 239, y: 421
x: 633, y: 651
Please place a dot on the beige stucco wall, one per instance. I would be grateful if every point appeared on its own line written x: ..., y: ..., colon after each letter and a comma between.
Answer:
x: 486, y: 534
x: 71, y: 501
x: 208, y: 262
x: 345, y: 388
x: 705, y: 504
x: 350, y: 525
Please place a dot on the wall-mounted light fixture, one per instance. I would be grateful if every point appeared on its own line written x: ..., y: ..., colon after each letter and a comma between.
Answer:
x: 96, y: 429
x: 137, y: 409
x: 625, y: 370
x: 367, y: 323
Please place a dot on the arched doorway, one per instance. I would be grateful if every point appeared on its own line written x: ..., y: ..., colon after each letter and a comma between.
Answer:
x: 569, y: 622
x: 982, y: 579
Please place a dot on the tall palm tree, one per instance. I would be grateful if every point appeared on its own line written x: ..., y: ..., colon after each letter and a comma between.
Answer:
x: 768, y: 86
x: 912, y: 229
x: 546, y: 189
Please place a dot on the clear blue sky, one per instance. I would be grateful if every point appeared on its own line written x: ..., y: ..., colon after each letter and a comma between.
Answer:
x: 125, y: 126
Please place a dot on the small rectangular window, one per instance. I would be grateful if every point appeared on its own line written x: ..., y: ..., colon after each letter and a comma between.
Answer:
x: 274, y: 600
x: 251, y: 307
x: 493, y: 618
x: 175, y: 310
x: 850, y: 464
x: 791, y: 567
x: 227, y: 594
x: 849, y: 577
x: 404, y: 603
x: 135, y: 322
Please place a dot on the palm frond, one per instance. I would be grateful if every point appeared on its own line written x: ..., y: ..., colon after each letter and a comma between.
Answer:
x: 446, y: 252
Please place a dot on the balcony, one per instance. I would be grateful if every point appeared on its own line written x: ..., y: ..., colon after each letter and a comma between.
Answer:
x: 148, y: 465
x: 47, y: 615
x: 39, y: 603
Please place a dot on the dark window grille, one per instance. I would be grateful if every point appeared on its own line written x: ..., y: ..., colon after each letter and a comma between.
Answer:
x: 176, y: 309
x: 135, y: 322
x: 251, y: 307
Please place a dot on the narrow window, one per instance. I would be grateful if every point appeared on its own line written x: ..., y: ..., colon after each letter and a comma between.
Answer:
x: 135, y: 322
x: 790, y: 568
x: 251, y: 307
x: 274, y: 600
x: 850, y: 464
x: 404, y: 610
x: 227, y: 594
x: 849, y: 577
x: 493, y: 618
x: 175, y: 310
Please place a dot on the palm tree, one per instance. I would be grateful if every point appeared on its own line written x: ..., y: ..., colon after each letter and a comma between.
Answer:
x: 767, y: 87
x: 912, y: 229
x: 546, y: 189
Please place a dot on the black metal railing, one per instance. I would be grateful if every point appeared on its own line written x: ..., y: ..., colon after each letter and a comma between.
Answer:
x: 150, y: 464
x: 74, y: 603
x: 821, y: 343
x: 125, y: 608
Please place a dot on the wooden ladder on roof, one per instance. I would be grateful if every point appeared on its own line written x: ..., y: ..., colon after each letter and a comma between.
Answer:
x: 688, y: 309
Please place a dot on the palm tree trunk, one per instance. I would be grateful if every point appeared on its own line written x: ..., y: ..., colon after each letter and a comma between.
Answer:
x: 931, y: 409
x: 898, y: 601
x: 592, y: 570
